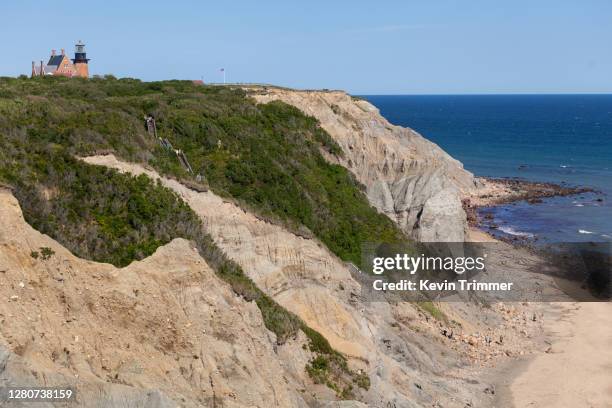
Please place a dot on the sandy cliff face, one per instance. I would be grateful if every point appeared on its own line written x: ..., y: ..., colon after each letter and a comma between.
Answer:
x: 167, y: 331
x: 295, y: 271
x: 397, y: 345
x: 301, y: 275
x: 160, y: 332
x: 407, y: 177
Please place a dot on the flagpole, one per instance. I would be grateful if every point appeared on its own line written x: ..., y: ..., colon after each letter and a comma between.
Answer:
x: 223, y: 76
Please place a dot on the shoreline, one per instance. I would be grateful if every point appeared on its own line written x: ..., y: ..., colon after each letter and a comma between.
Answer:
x: 575, y: 337
x: 571, y: 345
x: 499, y: 191
x: 574, y: 345
x: 504, y: 376
x: 494, y: 192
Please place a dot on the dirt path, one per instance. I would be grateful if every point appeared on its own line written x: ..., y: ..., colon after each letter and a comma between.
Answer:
x: 577, y: 369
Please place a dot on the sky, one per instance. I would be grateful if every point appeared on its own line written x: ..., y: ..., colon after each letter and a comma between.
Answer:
x: 364, y: 47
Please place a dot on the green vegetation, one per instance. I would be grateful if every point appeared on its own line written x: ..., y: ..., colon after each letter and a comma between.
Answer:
x: 45, y: 253
x: 267, y: 157
x: 97, y: 213
x: 432, y: 310
x: 322, y: 370
x: 318, y: 369
x: 333, y: 371
x: 362, y: 381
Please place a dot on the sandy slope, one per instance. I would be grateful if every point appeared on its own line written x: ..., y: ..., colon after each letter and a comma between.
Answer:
x: 577, y: 370
x: 397, y: 345
x: 159, y: 333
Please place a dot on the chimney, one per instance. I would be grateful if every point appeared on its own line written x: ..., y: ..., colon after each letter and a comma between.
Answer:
x: 53, y: 53
x: 63, y: 51
x: 33, y: 69
x: 42, y: 69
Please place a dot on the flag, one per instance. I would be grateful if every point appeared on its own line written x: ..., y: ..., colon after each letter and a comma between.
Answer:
x: 222, y: 70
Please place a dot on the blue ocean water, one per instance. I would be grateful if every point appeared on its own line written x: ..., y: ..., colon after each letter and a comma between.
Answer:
x: 556, y: 138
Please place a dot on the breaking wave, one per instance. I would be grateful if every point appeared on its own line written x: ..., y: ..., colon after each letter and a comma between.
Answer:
x: 512, y: 231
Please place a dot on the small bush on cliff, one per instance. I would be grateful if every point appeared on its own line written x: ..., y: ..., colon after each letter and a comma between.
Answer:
x: 46, y: 253
x: 433, y: 310
x: 332, y: 370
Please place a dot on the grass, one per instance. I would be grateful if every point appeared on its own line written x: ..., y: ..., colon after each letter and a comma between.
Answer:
x: 332, y: 371
x: 431, y: 309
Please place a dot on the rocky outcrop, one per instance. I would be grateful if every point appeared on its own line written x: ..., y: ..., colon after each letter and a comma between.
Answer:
x: 405, y: 175
x: 438, y: 219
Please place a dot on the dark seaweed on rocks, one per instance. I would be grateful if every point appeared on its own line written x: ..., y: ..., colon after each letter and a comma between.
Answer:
x: 533, y: 191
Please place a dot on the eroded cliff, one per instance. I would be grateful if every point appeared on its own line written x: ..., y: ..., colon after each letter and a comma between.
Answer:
x: 407, y: 177
x: 165, y: 331
x: 397, y: 345
x: 159, y: 332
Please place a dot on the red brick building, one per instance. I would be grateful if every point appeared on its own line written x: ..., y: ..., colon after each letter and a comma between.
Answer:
x: 64, y: 66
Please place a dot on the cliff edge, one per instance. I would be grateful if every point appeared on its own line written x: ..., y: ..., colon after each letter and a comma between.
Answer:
x: 407, y: 177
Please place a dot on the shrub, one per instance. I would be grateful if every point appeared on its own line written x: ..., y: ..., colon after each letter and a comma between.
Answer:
x: 46, y: 253
x: 268, y: 157
x: 433, y: 310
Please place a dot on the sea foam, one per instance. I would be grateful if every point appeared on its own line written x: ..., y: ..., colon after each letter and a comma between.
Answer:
x: 512, y: 231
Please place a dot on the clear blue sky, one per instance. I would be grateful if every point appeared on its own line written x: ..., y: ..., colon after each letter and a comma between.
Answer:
x: 365, y: 47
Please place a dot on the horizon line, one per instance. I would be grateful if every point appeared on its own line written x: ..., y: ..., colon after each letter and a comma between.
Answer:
x: 521, y: 93
x: 491, y: 94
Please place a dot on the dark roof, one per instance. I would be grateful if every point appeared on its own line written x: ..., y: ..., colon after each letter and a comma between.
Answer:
x: 55, y: 60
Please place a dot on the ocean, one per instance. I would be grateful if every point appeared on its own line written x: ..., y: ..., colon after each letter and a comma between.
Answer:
x: 555, y: 138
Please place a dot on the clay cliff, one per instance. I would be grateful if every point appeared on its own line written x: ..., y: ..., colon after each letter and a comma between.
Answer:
x: 166, y: 331
x: 305, y: 278
x: 407, y: 177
